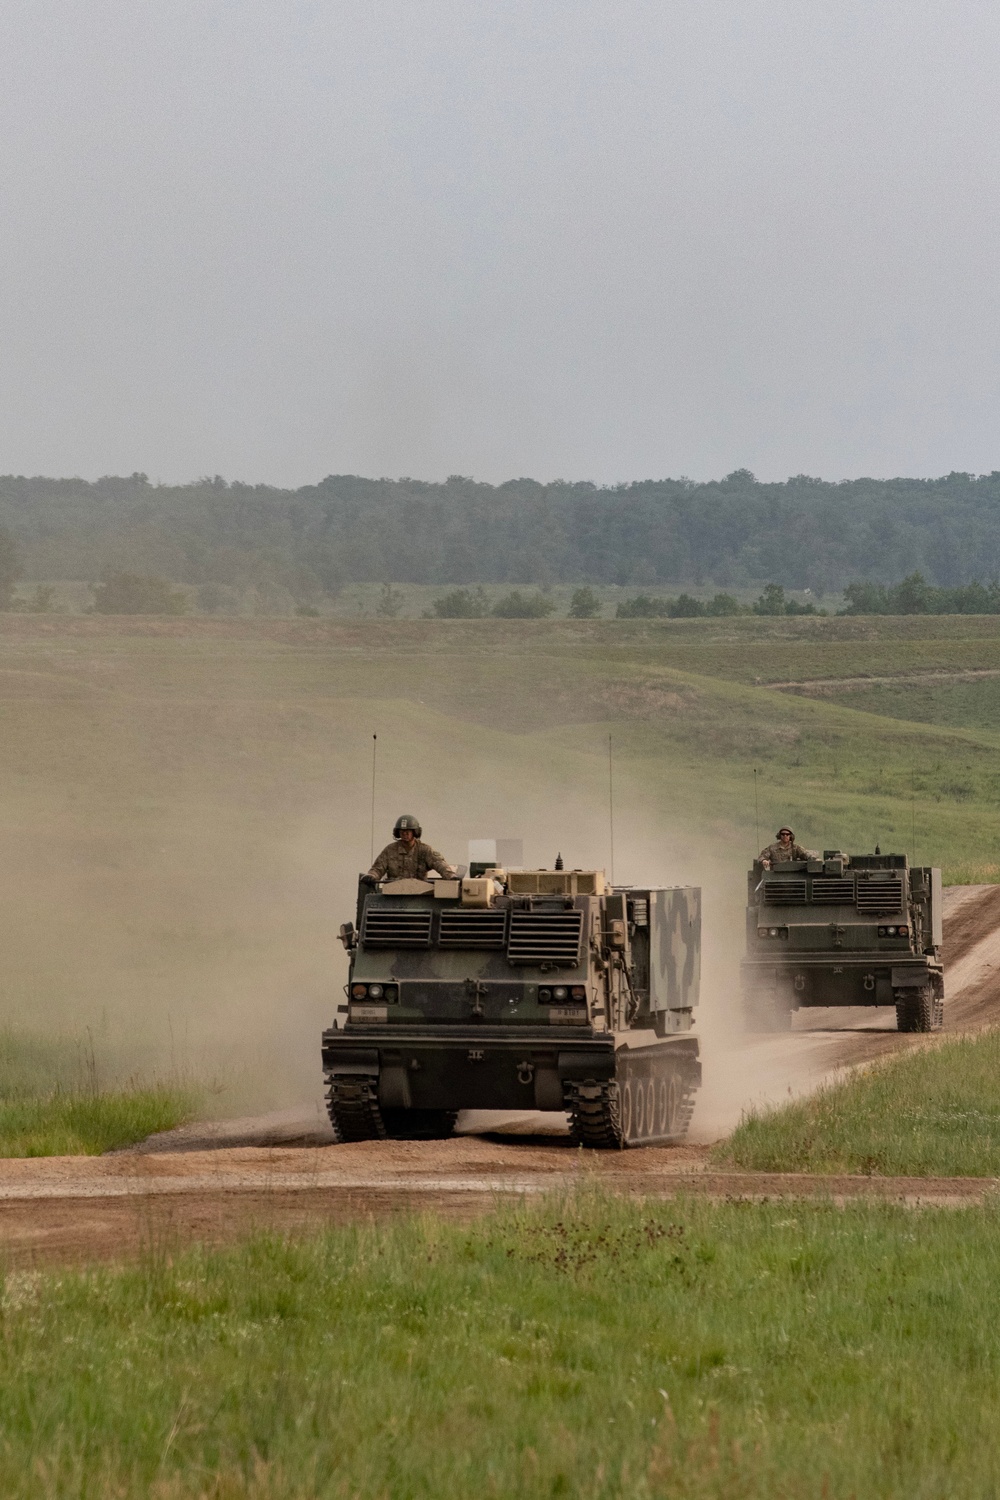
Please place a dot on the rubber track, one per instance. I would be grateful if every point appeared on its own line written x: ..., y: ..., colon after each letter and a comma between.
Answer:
x: 594, y: 1115
x: 684, y: 1112
x: 352, y: 1104
x: 919, y: 1011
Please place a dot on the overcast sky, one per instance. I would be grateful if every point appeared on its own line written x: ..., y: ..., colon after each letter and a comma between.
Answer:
x: 604, y: 239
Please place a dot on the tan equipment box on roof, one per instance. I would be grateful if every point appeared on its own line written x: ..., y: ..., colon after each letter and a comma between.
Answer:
x: 556, y: 883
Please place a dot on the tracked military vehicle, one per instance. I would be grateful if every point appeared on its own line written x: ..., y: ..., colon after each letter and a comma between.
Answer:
x: 847, y: 929
x: 537, y: 989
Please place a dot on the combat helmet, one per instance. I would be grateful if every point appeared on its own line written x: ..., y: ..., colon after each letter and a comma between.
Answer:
x: 407, y: 820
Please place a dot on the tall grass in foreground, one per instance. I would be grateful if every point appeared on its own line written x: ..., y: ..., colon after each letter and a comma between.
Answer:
x: 82, y: 1125
x: 594, y: 1349
x: 51, y: 1103
x: 931, y: 1112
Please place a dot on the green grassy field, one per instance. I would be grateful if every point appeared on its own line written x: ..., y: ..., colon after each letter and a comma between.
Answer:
x: 52, y: 1102
x: 962, y: 703
x: 930, y: 1112
x: 590, y: 1349
x: 186, y: 803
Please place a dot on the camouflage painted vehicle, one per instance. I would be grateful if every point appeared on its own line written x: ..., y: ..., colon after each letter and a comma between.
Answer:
x: 538, y: 989
x: 847, y: 929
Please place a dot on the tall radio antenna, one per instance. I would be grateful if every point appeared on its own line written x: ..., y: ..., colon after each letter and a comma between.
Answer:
x: 756, y: 808
x: 611, y: 807
x: 374, y: 749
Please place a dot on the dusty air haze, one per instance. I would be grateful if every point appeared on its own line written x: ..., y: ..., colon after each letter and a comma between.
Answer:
x: 591, y: 240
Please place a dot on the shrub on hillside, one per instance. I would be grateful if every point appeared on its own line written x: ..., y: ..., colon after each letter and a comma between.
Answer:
x: 642, y: 607
x: 10, y: 567
x: 138, y: 594
x: 684, y: 607
x: 773, y: 602
x: 518, y: 606
x: 584, y: 605
x: 723, y: 604
x: 460, y: 604
x: 913, y: 595
x: 390, y: 602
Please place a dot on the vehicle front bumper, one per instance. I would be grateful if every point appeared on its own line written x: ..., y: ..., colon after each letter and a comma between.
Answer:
x: 823, y: 979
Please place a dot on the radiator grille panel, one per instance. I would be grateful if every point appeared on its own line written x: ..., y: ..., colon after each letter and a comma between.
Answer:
x: 542, y: 937
x: 784, y: 892
x: 472, y: 929
x: 880, y: 897
x: 833, y: 888
x: 395, y: 927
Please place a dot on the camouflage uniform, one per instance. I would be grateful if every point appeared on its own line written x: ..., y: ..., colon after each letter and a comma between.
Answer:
x: 397, y: 862
x: 781, y: 854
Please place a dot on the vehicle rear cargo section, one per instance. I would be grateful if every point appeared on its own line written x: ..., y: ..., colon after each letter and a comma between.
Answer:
x: 533, y: 989
x: 849, y: 929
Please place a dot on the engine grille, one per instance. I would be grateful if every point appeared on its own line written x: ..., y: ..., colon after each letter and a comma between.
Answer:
x: 784, y: 892
x: 472, y: 929
x: 395, y: 927
x: 542, y: 937
x: 833, y: 888
x: 880, y: 897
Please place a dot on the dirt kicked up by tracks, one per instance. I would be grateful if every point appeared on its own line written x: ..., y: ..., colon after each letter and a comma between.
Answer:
x: 213, y: 1183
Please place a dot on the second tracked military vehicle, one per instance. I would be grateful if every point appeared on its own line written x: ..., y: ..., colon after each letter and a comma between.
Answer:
x: 533, y: 989
x: 847, y: 929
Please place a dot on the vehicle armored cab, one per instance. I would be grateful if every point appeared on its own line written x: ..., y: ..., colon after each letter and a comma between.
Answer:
x: 528, y: 990
x: 847, y: 929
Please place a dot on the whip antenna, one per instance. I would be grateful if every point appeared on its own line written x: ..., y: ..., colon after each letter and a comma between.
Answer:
x: 374, y: 749
x: 611, y: 807
x: 756, y: 808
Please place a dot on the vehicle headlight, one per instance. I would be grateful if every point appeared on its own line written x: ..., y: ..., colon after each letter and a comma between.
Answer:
x: 375, y: 992
x: 560, y: 992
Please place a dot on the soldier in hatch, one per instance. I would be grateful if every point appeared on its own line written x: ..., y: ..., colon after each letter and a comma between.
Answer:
x: 407, y: 858
x: 784, y: 850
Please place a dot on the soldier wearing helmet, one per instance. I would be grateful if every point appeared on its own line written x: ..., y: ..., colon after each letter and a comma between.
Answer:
x: 784, y: 850
x: 408, y: 858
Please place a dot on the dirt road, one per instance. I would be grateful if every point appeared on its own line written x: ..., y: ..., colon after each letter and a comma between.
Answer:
x: 212, y: 1183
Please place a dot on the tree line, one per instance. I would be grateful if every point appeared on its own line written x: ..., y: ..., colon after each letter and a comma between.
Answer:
x: 732, y: 533
x: 585, y: 604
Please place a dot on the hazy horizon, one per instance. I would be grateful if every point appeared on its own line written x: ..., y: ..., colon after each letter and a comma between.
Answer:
x: 583, y: 241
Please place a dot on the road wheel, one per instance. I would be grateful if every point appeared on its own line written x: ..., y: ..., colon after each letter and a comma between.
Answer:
x: 673, y: 1103
x: 627, y: 1110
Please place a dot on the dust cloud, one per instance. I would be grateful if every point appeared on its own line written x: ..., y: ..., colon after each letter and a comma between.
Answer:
x: 205, y: 948
x: 185, y: 823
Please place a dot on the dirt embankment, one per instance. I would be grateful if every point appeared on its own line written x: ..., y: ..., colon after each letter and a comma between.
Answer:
x: 214, y: 1183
